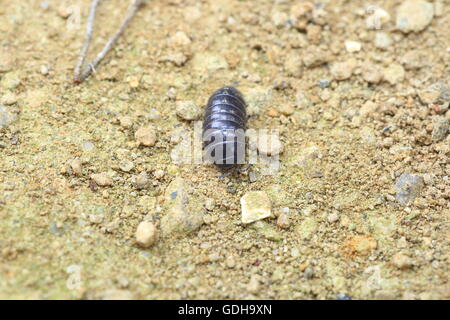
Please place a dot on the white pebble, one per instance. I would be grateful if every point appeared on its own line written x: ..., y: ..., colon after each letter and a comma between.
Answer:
x: 255, y: 205
x: 146, y: 234
x: 352, y: 46
x: 333, y: 217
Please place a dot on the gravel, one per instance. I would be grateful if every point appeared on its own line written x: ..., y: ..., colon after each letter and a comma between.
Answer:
x: 141, y: 180
x: 283, y: 221
x: 102, y: 179
x: 408, y: 186
x: 146, y: 234
x: 342, y: 70
x: 353, y: 46
x: 9, y: 99
x: 401, y: 261
x: 126, y: 165
x: 146, y: 136
x: 394, y: 74
x: 414, y: 15
x: 382, y: 40
x: 181, y: 217
x: 76, y: 166
x: 255, y: 205
x: 441, y: 128
x: 6, y: 116
x: 188, y: 110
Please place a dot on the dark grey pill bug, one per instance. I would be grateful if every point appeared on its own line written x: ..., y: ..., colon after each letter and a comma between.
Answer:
x: 224, y: 128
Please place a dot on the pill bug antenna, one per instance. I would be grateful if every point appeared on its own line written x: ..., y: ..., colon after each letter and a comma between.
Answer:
x: 81, y: 74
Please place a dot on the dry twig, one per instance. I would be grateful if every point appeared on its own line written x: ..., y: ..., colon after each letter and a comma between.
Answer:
x: 133, y: 8
x: 87, y: 40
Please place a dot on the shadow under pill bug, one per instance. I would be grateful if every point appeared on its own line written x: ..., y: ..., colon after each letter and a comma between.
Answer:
x: 224, y: 128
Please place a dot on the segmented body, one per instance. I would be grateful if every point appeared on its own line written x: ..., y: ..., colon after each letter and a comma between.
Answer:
x: 224, y: 127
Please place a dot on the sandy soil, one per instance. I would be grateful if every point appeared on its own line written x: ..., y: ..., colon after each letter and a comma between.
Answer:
x: 353, y: 119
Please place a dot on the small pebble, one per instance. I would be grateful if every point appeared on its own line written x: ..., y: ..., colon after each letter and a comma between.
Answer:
x: 414, y: 59
x: 9, y: 98
x: 126, y: 122
x: 441, y: 128
x: 273, y: 113
x: 377, y: 19
x: 333, y: 217
x: 76, y: 166
x: 180, y: 218
x: 287, y: 109
x: 178, y: 59
x: 309, y: 273
x: 126, y: 165
x: 281, y: 84
x: 44, y: 70
x: 353, y: 46
x: 96, y: 218
x: 88, y: 146
x: 159, y: 174
x: 230, y: 262
x: 401, y: 261
x: 213, y: 257
x: 382, y: 40
x: 394, y: 74
x: 179, y: 39
x: 146, y: 234
x: 6, y: 116
x: 414, y: 15
x: 324, y: 83
x: 210, y: 204
x: 283, y: 221
x: 153, y: 114
x: 254, y: 284
x: 141, y: 180
x: 315, y: 57
x: 255, y: 205
x: 368, y: 109
x: 408, y: 187
x: 279, y: 18
x: 188, y: 110
x: 171, y: 93
x: 253, y: 176
x: 146, y: 136
x: 10, y: 80
x: 102, y: 179
x: 372, y: 74
x: 293, y: 65
x: 342, y: 70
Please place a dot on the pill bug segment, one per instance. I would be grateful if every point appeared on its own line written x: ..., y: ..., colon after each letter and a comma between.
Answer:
x: 224, y: 128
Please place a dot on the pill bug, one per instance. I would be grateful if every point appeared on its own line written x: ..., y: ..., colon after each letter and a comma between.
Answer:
x: 224, y: 128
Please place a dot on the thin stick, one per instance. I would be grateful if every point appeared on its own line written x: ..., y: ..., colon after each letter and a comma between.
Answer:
x: 86, y: 41
x: 108, y: 46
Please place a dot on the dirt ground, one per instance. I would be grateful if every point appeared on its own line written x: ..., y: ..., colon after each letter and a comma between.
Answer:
x: 359, y: 104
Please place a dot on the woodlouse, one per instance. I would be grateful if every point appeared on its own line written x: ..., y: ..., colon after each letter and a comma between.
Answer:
x: 224, y: 128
